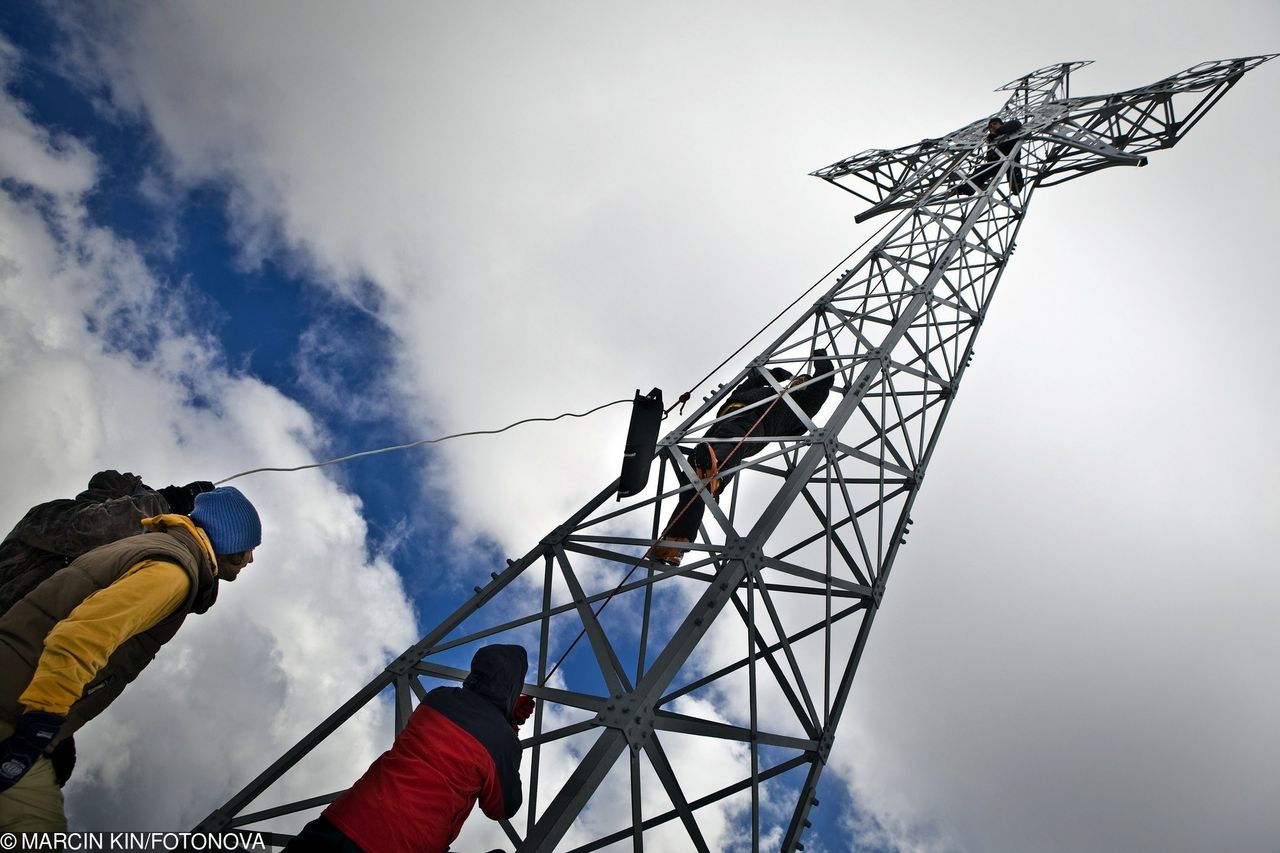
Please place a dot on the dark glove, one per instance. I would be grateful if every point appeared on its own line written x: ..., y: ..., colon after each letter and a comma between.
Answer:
x: 182, y: 499
x: 64, y: 761
x: 522, y: 711
x: 31, y: 736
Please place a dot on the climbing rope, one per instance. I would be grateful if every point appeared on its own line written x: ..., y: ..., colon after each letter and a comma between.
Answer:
x: 412, y: 444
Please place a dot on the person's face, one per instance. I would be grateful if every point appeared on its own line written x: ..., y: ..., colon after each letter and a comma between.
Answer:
x: 993, y: 126
x: 229, y: 565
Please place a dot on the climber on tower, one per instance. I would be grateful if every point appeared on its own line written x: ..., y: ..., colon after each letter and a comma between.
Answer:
x: 729, y: 441
x: 999, y: 147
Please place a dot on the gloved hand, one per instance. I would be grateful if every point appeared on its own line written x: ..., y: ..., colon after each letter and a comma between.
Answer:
x: 522, y: 711
x: 182, y: 499
x: 64, y: 761
x: 34, y: 731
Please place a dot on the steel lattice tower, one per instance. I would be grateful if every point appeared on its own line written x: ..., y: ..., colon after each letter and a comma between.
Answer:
x: 770, y: 612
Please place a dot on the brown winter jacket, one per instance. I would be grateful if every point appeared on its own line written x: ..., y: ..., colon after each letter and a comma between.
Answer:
x: 24, y: 628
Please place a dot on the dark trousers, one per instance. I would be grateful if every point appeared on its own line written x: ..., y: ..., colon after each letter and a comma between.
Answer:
x: 983, y: 176
x: 321, y: 836
x: 687, y: 516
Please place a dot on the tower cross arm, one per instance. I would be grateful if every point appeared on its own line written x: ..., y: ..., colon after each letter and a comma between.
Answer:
x: 880, y: 176
x: 1062, y: 137
x: 891, y: 179
x: 1120, y: 129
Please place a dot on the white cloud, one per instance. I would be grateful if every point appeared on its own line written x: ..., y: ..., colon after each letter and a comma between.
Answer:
x: 558, y: 204
x: 52, y: 163
x: 281, y: 648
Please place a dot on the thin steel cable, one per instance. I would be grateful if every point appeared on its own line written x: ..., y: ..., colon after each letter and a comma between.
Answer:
x: 412, y: 444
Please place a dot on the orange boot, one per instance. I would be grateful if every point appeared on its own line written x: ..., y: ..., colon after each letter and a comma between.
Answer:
x: 706, y: 466
x: 668, y: 554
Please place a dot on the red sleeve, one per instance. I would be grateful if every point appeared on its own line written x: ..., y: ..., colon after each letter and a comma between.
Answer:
x: 492, y: 803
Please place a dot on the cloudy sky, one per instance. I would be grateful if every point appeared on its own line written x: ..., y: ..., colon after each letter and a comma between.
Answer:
x: 238, y: 234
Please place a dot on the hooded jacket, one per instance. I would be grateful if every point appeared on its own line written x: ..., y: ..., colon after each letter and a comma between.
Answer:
x: 998, y: 140
x: 71, y: 645
x: 458, y: 747
x: 775, y: 420
x: 54, y: 533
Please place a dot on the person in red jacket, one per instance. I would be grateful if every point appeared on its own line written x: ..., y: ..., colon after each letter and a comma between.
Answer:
x: 460, y: 746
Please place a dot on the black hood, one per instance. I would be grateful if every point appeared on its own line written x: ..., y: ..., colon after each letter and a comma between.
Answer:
x: 105, y: 485
x: 497, y: 674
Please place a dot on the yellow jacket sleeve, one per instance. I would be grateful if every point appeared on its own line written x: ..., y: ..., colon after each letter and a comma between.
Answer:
x: 80, y: 644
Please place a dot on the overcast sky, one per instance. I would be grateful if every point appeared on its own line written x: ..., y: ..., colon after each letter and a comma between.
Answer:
x: 240, y: 234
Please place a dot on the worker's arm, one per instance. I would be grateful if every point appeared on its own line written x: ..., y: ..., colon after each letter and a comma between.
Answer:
x: 823, y: 371
x: 747, y: 392
x: 811, y: 397
x: 503, y: 792
x: 79, y: 646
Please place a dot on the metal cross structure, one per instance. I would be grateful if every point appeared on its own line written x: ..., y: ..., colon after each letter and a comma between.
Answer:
x: 708, y: 693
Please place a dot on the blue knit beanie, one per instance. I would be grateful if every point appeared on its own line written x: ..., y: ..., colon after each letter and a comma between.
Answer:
x: 229, y: 519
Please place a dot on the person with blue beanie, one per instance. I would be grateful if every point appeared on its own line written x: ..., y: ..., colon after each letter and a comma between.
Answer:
x: 53, y: 533
x: 71, y: 645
